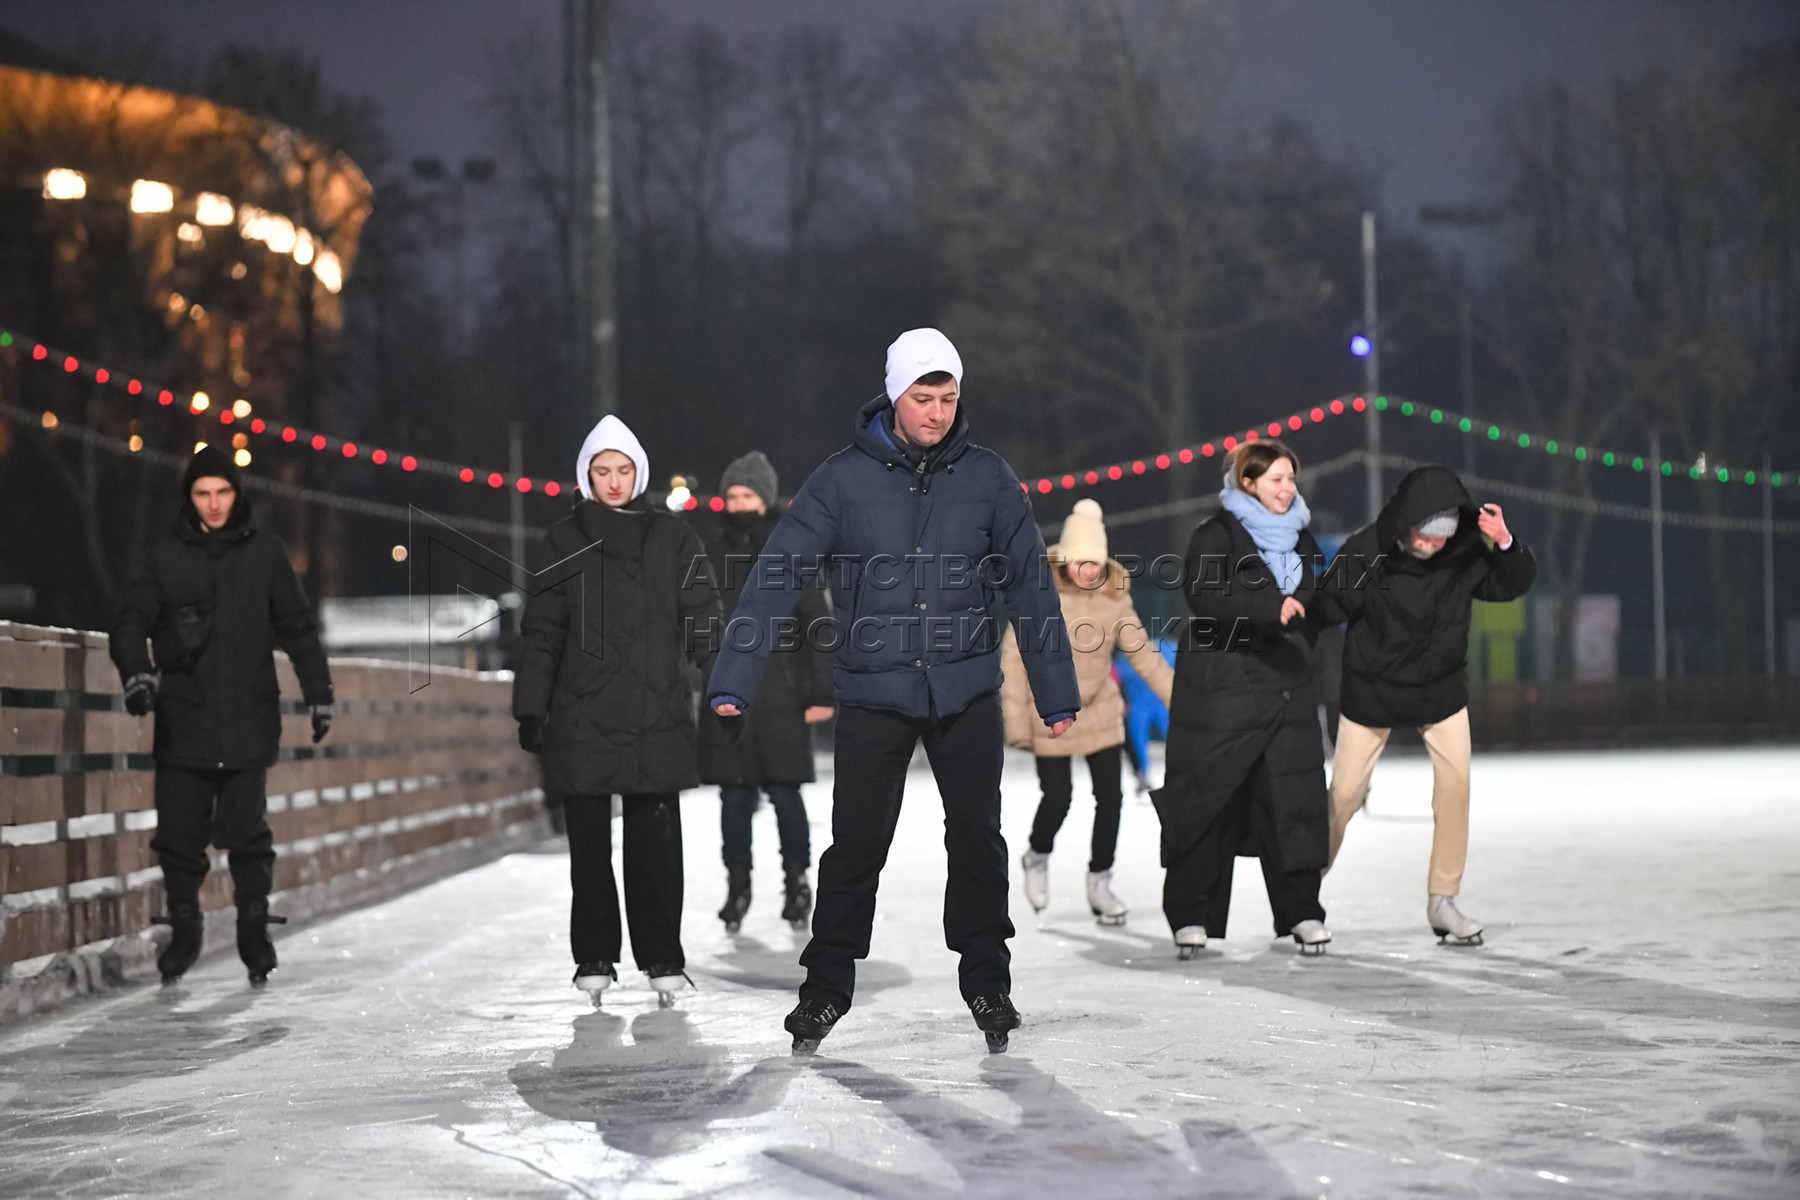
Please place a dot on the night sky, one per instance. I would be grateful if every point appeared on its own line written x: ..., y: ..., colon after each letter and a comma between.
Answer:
x: 1408, y: 84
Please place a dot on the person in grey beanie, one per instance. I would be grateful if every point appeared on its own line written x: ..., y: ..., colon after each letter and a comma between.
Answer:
x: 772, y: 752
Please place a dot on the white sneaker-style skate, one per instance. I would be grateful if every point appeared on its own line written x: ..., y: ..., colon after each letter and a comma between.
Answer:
x: 667, y: 981
x: 1312, y: 937
x: 1448, y: 922
x: 594, y: 979
x: 1108, y: 909
x: 1190, y: 940
x: 1036, y: 869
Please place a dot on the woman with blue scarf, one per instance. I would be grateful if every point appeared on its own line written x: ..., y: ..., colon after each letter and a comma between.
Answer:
x: 1245, y: 770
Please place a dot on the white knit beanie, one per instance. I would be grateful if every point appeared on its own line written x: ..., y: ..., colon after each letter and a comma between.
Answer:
x: 917, y: 353
x: 1083, y: 534
x: 612, y: 434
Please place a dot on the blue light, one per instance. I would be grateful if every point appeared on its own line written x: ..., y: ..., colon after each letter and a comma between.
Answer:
x: 1360, y: 346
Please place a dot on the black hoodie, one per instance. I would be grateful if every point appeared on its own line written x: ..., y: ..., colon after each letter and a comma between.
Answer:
x: 1406, y: 647
x: 207, y: 610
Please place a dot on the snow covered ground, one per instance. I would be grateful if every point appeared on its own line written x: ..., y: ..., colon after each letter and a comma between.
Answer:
x: 1632, y: 1028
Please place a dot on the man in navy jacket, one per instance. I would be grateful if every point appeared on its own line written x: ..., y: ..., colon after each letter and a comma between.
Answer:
x: 919, y: 530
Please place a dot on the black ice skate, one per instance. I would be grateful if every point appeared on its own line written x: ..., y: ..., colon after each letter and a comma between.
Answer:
x: 798, y: 908
x: 595, y: 978
x: 996, y: 1017
x: 186, y: 932
x: 254, y: 946
x: 810, y: 1021
x: 737, y: 898
x: 667, y: 979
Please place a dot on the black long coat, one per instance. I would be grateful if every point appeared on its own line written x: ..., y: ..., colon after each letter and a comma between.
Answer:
x: 774, y: 743
x: 207, y: 611
x: 1406, y: 647
x: 1244, y: 708
x: 625, y: 601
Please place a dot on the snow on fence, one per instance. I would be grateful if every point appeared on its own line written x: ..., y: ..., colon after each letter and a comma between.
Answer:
x: 420, y: 777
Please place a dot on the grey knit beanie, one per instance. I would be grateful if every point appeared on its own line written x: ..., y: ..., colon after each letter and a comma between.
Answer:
x: 754, y: 471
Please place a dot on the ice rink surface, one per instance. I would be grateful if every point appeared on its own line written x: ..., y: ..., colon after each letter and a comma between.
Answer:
x: 1631, y: 1027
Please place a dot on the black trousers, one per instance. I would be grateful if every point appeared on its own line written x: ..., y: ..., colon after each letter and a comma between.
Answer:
x: 1197, y: 889
x: 872, y: 752
x: 737, y: 804
x: 229, y: 809
x: 1056, y: 780
x: 653, y: 880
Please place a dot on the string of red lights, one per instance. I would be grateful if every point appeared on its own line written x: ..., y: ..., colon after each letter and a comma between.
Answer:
x: 239, y: 414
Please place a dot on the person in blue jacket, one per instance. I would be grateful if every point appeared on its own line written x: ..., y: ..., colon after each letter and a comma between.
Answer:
x: 921, y: 530
x: 1146, y: 716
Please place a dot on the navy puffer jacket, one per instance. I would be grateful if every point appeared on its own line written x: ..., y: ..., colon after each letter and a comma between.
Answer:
x: 916, y: 549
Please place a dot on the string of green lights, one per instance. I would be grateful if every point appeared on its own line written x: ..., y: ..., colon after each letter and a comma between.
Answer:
x: 1507, y: 436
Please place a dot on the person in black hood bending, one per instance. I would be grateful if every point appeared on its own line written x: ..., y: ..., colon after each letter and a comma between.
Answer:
x: 1406, y: 649
x: 194, y: 642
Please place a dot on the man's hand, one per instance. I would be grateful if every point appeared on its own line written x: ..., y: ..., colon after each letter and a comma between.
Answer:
x: 1493, y: 524
x: 140, y: 694
x: 725, y: 709
x: 816, y: 713
x: 531, y: 735
x: 321, y: 722
x: 1291, y: 608
x: 1061, y: 727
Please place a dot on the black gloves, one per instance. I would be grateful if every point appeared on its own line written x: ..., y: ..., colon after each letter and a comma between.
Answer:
x: 140, y: 694
x: 321, y: 722
x: 531, y: 735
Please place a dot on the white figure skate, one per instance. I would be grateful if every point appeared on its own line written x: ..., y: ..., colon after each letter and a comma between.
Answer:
x: 1448, y: 922
x: 1190, y: 940
x: 1037, y: 878
x: 1312, y: 937
x: 1108, y: 909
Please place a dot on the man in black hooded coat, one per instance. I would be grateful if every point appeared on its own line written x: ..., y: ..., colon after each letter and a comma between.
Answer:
x: 194, y: 642
x: 1407, y: 585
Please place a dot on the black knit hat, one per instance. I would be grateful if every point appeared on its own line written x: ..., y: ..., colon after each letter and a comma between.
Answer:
x: 211, y: 462
x: 754, y: 471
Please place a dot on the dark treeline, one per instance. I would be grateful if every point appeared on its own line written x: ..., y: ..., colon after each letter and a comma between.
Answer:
x: 1129, y: 260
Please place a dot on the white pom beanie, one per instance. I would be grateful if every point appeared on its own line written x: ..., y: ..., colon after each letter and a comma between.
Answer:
x: 1083, y: 534
x: 917, y: 353
x: 612, y: 434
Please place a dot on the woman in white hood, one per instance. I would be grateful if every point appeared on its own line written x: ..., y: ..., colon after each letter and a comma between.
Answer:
x: 602, y: 695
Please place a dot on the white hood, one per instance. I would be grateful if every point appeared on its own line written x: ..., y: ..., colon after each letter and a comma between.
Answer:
x: 612, y: 434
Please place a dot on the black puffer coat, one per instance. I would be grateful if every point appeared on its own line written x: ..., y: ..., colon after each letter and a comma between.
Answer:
x: 1244, y: 697
x: 207, y: 611
x: 773, y: 743
x: 1406, y: 647
x: 626, y: 601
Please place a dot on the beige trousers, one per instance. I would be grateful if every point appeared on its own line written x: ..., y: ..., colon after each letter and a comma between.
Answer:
x: 1358, y: 747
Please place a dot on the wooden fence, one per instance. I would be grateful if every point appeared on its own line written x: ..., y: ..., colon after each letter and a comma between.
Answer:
x: 421, y: 776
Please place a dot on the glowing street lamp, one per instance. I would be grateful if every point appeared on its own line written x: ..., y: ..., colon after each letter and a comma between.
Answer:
x: 149, y: 196
x: 61, y: 183
x: 210, y: 208
x: 1361, y: 346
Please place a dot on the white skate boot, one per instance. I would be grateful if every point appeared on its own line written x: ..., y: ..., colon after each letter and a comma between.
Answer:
x: 1312, y: 937
x: 1036, y: 869
x: 667, y: 981
x: 1108, y: 909
x: 1190, y: 940
x: 594, y: 979
x: 1449, y: 924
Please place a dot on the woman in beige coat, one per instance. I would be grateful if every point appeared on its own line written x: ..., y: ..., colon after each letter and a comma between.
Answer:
x: 1097, y: 611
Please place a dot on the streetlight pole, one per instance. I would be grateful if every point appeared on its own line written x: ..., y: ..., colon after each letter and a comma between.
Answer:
x: 588, y: 31
x: 1658, y: 609
x: 1371, y: 369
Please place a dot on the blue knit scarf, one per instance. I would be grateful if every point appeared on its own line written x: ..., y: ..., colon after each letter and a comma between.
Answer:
x: 1275, y: 535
